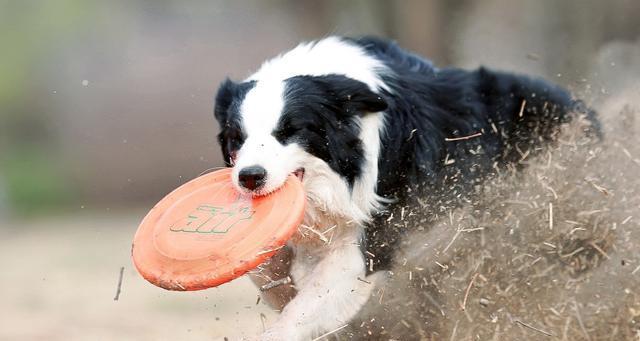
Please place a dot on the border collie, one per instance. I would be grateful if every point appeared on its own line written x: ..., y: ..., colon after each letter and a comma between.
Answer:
x: 370, y: 129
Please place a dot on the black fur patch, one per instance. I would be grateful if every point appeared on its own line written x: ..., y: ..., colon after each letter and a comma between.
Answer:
x: 319, y: 114
x: 226, y: 111
x: 427, y: 106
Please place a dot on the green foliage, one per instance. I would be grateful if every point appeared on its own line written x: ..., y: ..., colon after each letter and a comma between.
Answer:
x: 34, y: 181
x: 29, y: 32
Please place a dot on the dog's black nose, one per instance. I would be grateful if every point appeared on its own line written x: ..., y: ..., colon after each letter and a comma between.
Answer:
x: 252, y: 177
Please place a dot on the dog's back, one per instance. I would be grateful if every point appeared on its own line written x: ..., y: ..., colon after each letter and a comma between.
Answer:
x: 448, y: 129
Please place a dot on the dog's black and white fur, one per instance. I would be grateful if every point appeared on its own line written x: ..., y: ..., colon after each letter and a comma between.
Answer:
x: 370, y: 128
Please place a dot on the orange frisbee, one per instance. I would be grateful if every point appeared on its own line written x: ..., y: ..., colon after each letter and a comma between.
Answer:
x: 205, y: 233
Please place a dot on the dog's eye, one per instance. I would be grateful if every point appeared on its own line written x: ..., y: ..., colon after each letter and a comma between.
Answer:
x: 231, y: 139
x: 285, y: 133
x: 234, y: 134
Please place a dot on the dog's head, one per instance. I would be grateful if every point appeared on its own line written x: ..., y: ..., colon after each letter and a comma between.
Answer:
x: 270, y: 129
x: 315, y: 111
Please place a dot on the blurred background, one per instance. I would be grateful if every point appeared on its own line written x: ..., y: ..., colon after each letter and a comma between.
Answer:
x: 105, y: 106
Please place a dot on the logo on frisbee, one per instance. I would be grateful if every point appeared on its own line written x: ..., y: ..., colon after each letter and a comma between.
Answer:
x: 212, y: 219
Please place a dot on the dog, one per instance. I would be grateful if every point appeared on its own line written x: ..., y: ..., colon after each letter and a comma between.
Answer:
x: 371, y: 130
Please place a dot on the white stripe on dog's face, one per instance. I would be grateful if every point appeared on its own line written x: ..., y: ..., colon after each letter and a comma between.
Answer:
x: 259, y: 114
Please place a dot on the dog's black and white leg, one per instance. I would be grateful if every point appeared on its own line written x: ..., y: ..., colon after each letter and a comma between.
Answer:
x: 329, y: 295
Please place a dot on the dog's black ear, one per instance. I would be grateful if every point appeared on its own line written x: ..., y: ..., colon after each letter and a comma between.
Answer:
x: 364, y: 101
x: 354, y: 96
x: 224, y: 98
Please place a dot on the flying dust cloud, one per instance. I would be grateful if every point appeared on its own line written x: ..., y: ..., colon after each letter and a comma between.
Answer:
x: 551, y: 252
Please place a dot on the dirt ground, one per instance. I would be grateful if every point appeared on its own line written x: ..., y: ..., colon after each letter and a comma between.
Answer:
x: 59, y: 278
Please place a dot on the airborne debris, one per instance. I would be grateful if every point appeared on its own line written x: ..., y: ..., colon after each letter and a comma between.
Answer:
x: 329, y: 333
x: 466, y: 294
x: 534, y: 328
x: 533, y: 56
x: 411, y: 134
x: 449, y: 139
x: 276, y: 283
x: 524, y: 103
x: 119, y: 284
x: 316, y: 232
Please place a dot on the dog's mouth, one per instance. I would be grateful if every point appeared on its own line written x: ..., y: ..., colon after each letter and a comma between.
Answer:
x: 263, y: 190
x: 299, y: 173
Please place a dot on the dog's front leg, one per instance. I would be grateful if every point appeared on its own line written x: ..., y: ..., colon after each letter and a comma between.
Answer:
x: 276, y: 268
x: 329, y: 298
